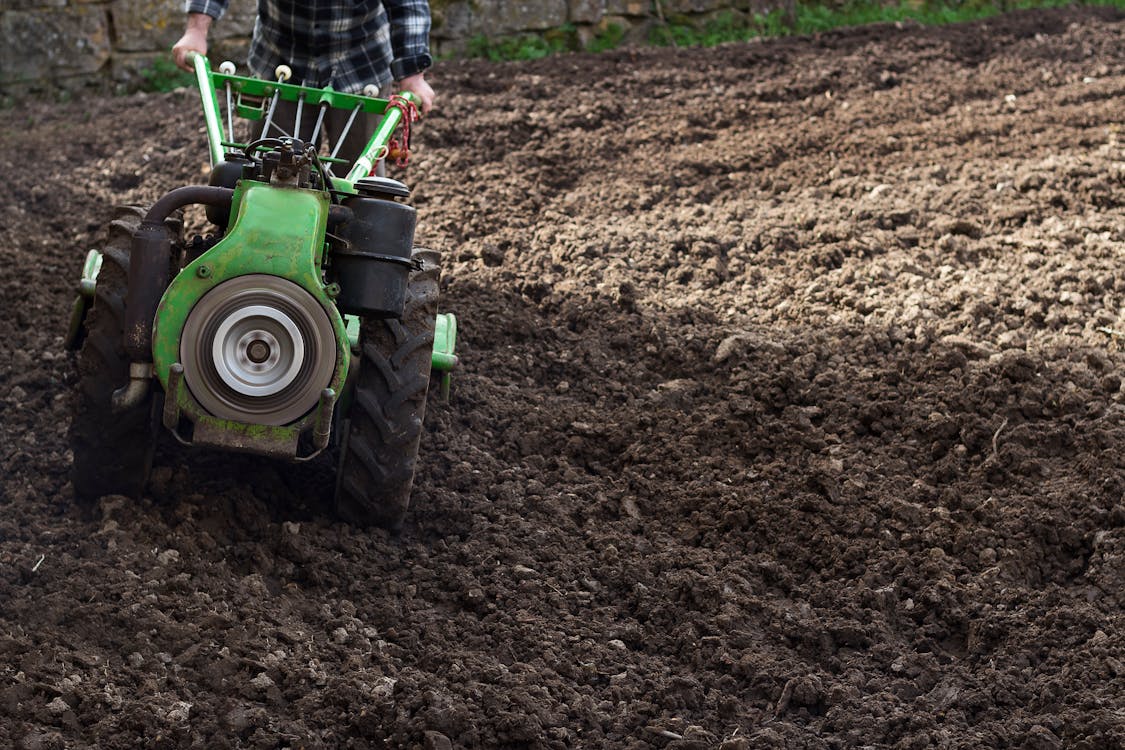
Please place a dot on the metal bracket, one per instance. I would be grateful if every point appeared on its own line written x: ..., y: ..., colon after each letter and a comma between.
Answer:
x: 265, y: 440
x: 443, y: 359
x: 87, y: 287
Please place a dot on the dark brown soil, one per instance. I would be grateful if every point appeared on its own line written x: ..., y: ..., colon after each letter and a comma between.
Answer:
x: 791, y: 416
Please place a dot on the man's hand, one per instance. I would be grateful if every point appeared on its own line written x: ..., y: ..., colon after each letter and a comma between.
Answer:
x: 417, y: 85
x: 193, y: 40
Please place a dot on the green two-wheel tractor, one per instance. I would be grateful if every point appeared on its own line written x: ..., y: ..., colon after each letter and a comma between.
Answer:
x: 307, y: 320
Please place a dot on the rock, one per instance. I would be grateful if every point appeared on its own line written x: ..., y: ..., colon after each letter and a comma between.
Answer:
x: 384, y: 688
x: 179, y: 711
x: 1040, y: 737
x: 629, y: 507
x: 262, y: 681
x: 807, y: 690
x: 738, y: 344
x: 58, y: 707
x: 168, y: 557
x: 970, y: 348
x: 524, y: 573
x: 730, y: 346
x: 497, y: 17
x: 432, y: 740
x: 50, y: 43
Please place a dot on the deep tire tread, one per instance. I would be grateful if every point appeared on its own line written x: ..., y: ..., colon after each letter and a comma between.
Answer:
x: 380, y: 451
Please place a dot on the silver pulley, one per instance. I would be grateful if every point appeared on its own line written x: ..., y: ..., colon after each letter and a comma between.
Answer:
x: 258, y: 349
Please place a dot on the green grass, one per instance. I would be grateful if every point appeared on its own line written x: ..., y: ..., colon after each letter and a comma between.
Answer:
x: 565, y: 38
x: 163, y: 76
x: 809, y: 18
x: 610, y: 38
x: 817, y: 17
x: 526, y: 46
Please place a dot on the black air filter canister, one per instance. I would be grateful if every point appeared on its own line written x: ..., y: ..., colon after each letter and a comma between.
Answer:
x: 373, y: 269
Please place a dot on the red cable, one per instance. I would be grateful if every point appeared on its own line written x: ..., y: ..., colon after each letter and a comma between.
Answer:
x: 400, y: 150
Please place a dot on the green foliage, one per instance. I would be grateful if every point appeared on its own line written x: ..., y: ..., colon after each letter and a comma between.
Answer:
x: 733, y: 26
x: 816, y: 17
x: 525, y: 46
x: 163, y: 75
x: 725, y: 27
x: 607, y: 39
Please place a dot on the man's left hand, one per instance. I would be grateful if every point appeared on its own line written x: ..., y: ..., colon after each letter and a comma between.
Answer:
x: 420, y: 87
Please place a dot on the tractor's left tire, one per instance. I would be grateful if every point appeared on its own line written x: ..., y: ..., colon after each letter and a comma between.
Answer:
x: 113, y: 449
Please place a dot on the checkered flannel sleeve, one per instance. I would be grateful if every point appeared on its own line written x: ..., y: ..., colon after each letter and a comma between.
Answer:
x: 213, y: 8
x: 410, y: 36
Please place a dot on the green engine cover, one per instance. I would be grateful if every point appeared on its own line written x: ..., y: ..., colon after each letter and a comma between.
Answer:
x: 274, y: 230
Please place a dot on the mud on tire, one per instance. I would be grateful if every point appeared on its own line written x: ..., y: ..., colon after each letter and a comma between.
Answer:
x: 112, y: 449
x: 380, y: 445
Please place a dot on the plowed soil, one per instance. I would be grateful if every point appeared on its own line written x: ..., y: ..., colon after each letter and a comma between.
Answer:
x: 790, y: 416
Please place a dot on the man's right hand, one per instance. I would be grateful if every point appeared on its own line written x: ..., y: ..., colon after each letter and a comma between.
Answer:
x: 193, y: 40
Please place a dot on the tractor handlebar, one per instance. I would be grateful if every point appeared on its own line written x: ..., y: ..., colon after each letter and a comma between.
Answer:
x: 254, y: 99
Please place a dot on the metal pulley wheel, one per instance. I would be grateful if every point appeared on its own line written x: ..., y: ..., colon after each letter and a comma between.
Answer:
x: 258, y: 349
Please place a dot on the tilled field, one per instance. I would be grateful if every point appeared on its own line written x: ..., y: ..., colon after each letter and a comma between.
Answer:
x: 791, y: 416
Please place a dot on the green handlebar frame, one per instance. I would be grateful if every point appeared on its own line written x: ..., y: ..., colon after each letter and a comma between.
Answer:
x: 210, y: 82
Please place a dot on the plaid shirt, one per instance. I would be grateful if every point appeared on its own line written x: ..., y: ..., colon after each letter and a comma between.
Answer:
x: 343, y: 43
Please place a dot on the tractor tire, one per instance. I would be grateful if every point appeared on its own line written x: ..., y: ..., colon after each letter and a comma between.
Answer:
x: 384, y: 425
x: 112, y: 449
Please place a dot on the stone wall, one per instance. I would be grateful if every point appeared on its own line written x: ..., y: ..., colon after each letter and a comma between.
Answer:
x: 73, y: 44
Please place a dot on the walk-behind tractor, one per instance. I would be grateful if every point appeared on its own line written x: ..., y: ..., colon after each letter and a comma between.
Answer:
x: 306, y: 321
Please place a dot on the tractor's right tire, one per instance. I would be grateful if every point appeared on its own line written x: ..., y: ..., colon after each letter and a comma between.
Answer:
x: 112, y: 448
x: 380, y: 446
